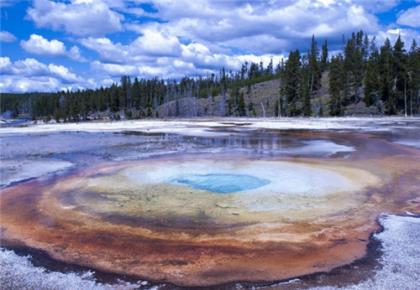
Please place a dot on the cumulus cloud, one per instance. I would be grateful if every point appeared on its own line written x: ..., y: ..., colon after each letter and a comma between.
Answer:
x: 155, y: 53
x: 407, y: 35
x: 6, y: 36
x: 63, y: 73
x: 191, y: 38
x: 32, y: 67
x: 127, y: 69
x: 108, y: 50
x: 157, y: 43
x: 37, y: 44
x: 5, y: 63
x: 80, y: 17
x: 410, y: 17
x: 24, y: 67
x: 31, y: 75
x: 19, y: 84
x: 147, y: 46
x: 195, y: 38
x: 75, y: 54
x: 284, y: 25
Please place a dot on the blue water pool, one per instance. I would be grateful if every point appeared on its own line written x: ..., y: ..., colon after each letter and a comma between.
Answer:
x: 221, y: 183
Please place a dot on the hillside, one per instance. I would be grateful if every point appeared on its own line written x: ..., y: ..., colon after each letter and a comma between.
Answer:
x: 261, y: 100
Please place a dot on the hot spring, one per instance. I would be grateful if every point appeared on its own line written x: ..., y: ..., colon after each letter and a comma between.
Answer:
x: 169, y: 191
x: 233, y: 204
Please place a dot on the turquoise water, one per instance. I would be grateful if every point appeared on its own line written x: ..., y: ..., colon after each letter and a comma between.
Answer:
x: 221, y: 183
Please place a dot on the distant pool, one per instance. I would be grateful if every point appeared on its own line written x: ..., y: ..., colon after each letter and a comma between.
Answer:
x: 221, y: 182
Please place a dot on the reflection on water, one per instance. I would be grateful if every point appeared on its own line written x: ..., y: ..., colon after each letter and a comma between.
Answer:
x: 409, y: 142
x: 46, y: 152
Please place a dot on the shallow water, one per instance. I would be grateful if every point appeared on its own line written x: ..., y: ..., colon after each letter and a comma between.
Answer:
x: 208, y: 188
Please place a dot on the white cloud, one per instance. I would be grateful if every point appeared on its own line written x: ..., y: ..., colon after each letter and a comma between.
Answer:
x: 155, y: 53
x: 39, y: 45
x: 261, y: 27
x: 24, y: 67
x: 227, y: 33
x: 63, y: 73
x: 20, y: 84
x: 410, y: 17
x: 74, y: 53
x: 143, y: 49
x: 6, y: 36
x: 157, y: 43
x: 31, y: 75
x: 407, y: 36
x: 113, y: 69
x: 107, y: 50
x: 82, y: 18
x: 193, y: 37
x: 5, y: 63
x: 194, y: 59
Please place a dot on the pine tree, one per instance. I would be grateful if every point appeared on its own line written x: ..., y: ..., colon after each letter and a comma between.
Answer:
x: 336, y: 85
x: 306, y: 84
x: 353, y: 68
x: 291, y: 81
x: 385, y: 82
x: 399, y: 75
x: 124, y: 90
x: 314, y: 68
x: 223, y: 88
x: 414, y: 79
x: 324, y: 56
x: 241, y: 105
x: 270, y: 68
x: 372, y: 80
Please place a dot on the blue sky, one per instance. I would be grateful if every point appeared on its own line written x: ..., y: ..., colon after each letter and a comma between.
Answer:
x: 51, y: 45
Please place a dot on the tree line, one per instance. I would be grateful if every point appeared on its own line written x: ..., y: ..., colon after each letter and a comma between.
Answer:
x: 385, y: 77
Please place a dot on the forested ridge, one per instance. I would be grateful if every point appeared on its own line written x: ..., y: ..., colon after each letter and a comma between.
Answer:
x: 385, y: 78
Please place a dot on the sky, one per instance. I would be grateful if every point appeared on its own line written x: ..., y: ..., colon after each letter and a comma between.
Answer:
x: 48, y: 45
